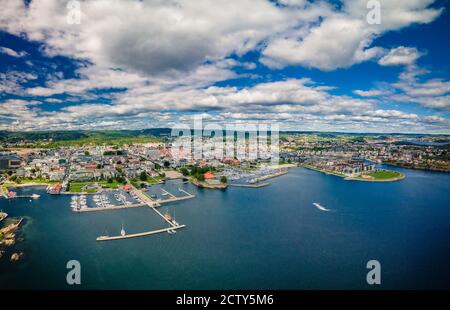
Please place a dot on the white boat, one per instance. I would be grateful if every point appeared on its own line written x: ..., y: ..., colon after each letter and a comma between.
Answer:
x: 318, y: 206
x: 35, y: 196
x: 122, y: 231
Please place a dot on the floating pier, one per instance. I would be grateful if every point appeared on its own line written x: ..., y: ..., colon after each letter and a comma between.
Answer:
x: 147, y: 233
x: 147, y: 201
x: 137, y: 205
x: 172, y: 199
x: 34, y: 196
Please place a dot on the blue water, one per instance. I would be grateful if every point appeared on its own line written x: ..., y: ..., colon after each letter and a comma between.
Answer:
x: 267, y: 238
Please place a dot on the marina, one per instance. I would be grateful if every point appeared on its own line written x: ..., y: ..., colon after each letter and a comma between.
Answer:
x: 103, y: 203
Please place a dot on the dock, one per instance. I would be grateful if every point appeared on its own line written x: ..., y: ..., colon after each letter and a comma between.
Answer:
x: 173, y: 198
x: 142, y: 234
x: 269, y: 176
x: 152, y: 204
x: 34, y: 196
x: 137, y: 205
x: 249, y: 185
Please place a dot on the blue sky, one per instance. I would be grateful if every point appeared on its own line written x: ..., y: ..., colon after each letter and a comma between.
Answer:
x: 307, y: 65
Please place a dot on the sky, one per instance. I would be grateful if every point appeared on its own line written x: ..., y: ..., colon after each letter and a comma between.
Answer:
x: 305, y: 65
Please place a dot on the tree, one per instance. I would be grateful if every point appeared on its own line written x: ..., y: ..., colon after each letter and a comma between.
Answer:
x: 110, y: 180
x: 184, y: 171
x: 200, y: 177
x: 143, y: 176
x: 223, y: 179
x: 87, y: 153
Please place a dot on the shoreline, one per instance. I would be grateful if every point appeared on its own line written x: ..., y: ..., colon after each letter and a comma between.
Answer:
x: 346, y: 178
x: 249, y: 185
x: 399, y: 178
x: 415, y: 168
x: 268, y: 177
x: 208, y: 186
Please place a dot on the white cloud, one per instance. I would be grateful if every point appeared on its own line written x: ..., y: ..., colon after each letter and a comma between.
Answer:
x: 11, y: 52
x: 370, y: 93
x: 344, y: 37
x: 165, y: 55
x: 400, y: 56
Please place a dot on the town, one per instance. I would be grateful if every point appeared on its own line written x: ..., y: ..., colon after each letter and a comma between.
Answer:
x: 93, y: 168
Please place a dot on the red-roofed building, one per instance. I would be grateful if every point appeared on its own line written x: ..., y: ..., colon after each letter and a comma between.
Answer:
x: 209, y: 175
x: 127, y: 187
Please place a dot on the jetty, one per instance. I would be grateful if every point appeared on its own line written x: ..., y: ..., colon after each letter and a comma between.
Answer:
x: 152, y: 204
x: 34, y: 196
x: 267, y: 177
x: 118, y: 207
x: 258, y: 185
x: 142, y: 234
x: 173, y: 198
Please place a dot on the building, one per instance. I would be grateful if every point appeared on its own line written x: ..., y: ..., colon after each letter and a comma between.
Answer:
x: 10, y: 162
x: 209, y: 175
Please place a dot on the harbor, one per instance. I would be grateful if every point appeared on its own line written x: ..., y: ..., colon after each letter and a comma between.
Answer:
x: 218, y: 222
x: 133, y: 198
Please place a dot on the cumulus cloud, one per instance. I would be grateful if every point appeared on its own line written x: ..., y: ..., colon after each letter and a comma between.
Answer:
x: 344, y: 37
x: 400, y: 56
x: 164, y: 58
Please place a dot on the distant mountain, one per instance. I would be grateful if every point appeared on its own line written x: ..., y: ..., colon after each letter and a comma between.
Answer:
x: 68, y: 135
x: 60, y: 135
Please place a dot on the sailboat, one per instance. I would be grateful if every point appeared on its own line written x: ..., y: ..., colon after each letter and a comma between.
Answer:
x: 122, y: 231
x: 173, y: 219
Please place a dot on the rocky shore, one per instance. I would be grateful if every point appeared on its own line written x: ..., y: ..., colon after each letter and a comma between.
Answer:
x: 8, y: 238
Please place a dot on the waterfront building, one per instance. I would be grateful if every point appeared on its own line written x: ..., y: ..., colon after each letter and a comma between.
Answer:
x: 10, y: 162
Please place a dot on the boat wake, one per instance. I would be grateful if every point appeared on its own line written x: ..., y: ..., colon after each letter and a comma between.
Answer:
x: 318, y: 206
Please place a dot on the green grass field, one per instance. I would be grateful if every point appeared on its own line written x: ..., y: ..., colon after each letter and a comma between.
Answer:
x: 76, y: 187
x: 384, y: 175
x: 113, y: 185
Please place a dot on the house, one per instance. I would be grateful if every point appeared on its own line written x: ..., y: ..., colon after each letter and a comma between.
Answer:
x: 209, y: 175
x: 57, y: 175
x: 127, y: 187
x: 10, y: 162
